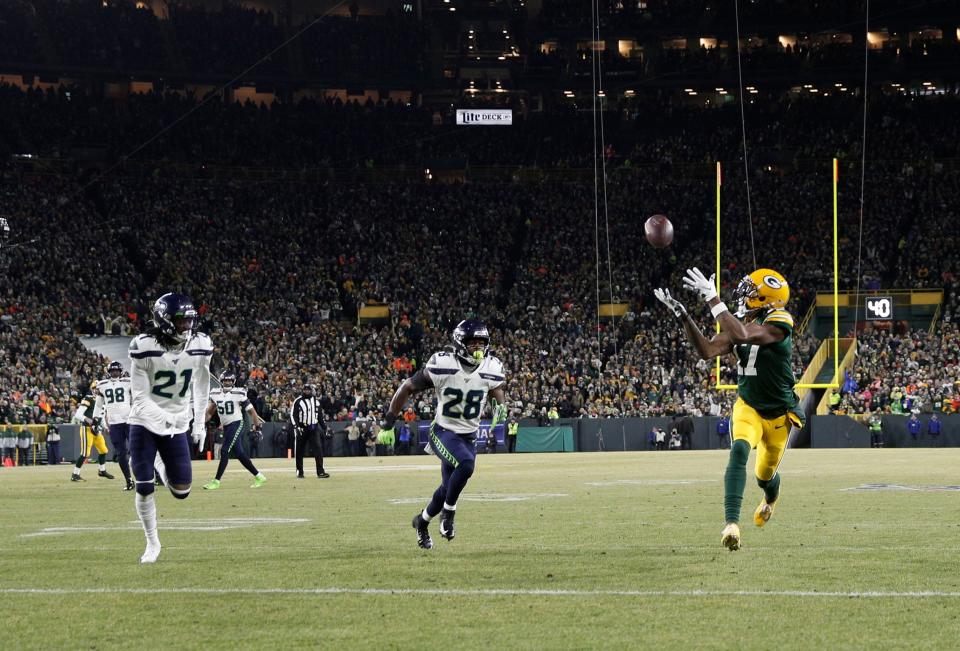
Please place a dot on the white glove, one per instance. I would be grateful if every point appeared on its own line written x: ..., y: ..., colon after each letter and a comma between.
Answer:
x: 695, y: 281
x: 675, y: 306
x: 198, y: 435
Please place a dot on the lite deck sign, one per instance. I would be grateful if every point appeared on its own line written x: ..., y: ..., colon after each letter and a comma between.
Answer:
x: 484, y: 117
x: 879, y: 308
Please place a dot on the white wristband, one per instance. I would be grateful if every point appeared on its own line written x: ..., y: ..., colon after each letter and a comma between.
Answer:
x: 718, y: 309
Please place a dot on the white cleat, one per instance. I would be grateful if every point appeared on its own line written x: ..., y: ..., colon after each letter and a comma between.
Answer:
x: 151, y: 553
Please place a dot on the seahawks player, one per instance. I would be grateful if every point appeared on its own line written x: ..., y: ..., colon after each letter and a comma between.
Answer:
x: 767, y: 407
x: 230, y: 402
x: 462, y: 379
x: 88, y: 416
x: 115, y: 393
x: 170, y: 385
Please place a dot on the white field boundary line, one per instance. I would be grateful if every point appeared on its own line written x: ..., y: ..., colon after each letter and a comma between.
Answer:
x: 172, y: 524
x: 494, y: 592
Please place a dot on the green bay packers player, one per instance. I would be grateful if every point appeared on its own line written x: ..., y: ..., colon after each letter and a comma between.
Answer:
x: 760, y: 335
x: 88, y: 416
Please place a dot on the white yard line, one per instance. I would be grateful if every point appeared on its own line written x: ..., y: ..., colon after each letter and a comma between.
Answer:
x: 488, y: 592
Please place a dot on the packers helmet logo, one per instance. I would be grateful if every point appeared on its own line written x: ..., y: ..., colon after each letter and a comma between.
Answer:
x: 772, y: 281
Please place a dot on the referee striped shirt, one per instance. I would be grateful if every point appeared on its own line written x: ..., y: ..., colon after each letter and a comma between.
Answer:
x: 305, y: 412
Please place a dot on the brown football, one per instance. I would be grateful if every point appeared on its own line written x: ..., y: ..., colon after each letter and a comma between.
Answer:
x: 659, y: 231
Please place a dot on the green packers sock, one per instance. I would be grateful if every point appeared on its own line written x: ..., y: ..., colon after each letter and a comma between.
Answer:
x: 79, y: 464
x: 101, y: 459
x: 771, y: 488
x: 735, y: 480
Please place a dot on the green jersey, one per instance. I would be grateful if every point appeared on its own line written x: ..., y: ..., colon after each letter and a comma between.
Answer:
x: 765, y: 373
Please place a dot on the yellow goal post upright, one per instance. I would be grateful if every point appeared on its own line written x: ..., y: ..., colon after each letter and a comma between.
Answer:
x: 836, y: 290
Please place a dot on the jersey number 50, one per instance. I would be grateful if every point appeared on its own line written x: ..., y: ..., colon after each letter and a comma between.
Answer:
x: 471, y: 407
x: 164, y: 379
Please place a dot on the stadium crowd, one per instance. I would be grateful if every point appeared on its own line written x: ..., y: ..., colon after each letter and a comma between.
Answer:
x: 285, y: 268
x: 282, y: 269
x: 911, y: 372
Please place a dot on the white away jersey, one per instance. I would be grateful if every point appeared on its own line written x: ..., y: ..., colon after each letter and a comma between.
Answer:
x: 115, y: 394
x: 230, y: 403
x: 169, y: 386
x: 461, y: 395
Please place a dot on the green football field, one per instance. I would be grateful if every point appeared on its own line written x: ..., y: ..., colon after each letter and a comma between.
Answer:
x: 603, y: 550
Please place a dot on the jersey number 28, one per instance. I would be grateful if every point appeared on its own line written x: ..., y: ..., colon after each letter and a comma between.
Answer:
x: 471, y: 406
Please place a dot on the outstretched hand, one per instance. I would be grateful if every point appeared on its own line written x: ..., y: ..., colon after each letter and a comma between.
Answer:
x: 675, y: 306
x: 695, y: 281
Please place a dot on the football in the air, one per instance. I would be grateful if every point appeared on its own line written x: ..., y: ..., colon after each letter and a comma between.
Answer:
x: 659, y: 231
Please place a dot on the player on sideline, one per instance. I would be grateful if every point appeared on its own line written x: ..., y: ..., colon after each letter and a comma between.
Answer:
x: 462, y: 379
x: 230, y: 402
x: 170, y: 382
x: 115, y: 393
x: 88, y: 415
x: 767, y: 407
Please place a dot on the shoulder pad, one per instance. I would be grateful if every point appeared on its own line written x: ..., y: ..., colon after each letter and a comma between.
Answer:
x: 492, y: 369
x: 201, y: 339
x: 443, y: 363
x: 143, y: 346
x: 144, y: 342
x: 239, y: 392
x: 101, y: 383
x: 199, y: 344
x: 779, y: 316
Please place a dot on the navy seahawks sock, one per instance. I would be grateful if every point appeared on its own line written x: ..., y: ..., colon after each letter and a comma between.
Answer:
x: 224, y: 460
x: 458, y: 480
x: 436, y: 502
x: 124, y: 466
x: 439, y: 495
x: 245, y: 460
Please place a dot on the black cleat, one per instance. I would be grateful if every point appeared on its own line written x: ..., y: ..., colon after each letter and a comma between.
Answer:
x: 129, y: 486
x: 423, y: 533
x: 76, y: 478
x: 447, y: 529
x: 323, y: 475
x: 299, y: 475
x: 105, y: 474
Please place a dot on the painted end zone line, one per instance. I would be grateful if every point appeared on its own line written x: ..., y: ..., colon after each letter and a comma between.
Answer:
x: 481, y: 592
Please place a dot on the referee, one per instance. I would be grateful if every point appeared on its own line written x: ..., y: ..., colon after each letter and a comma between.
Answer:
x: 308, y: 423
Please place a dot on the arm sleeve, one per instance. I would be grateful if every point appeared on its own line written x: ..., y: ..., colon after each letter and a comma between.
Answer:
x: 99, y: 411
x: 421, y: 381
x: 78, y: 414
x: 295, y: 413
x: 201, y: 391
